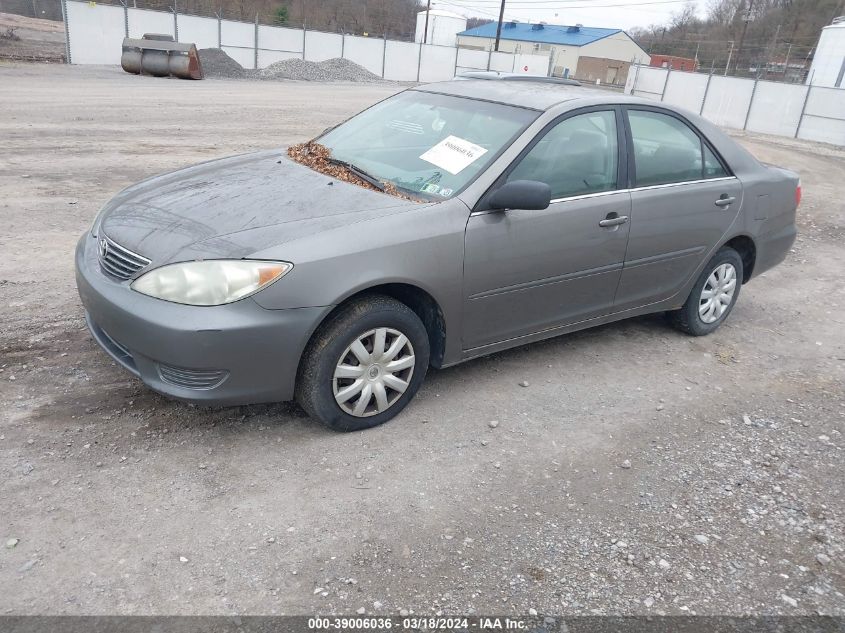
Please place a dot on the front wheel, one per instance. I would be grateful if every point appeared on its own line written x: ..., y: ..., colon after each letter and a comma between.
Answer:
x: 364, y: 365
x: 713, y: 296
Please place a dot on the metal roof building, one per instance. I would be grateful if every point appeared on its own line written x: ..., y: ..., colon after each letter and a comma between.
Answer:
x: 544, y: 33
x: 586, y: 53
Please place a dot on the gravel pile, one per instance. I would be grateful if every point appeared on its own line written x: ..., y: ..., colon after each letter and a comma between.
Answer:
x: 336, y: 69
x: 216, y: 64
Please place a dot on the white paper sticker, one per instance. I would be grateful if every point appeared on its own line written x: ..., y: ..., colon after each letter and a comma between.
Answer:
x: 453, y: 154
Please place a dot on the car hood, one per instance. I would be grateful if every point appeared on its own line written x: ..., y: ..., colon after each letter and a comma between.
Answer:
x: 236, y: 206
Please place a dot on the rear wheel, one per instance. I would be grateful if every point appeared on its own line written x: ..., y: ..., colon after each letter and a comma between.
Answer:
x: 364, y: 365
x: 713, y: 296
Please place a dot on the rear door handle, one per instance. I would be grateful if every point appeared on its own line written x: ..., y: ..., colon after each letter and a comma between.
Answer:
x: 615, y: 220
x: 725, y: 201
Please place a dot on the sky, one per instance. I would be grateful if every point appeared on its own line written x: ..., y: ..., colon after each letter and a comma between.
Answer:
x: 623, y: 14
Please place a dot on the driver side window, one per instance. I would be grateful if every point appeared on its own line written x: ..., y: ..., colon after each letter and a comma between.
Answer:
x: 577, y: 156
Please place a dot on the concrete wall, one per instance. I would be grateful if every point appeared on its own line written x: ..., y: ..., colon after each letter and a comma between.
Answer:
x: 96, y: 32
x: 807, y: 112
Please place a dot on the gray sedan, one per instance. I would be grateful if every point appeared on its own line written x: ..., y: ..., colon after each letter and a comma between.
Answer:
x: 446, y: 222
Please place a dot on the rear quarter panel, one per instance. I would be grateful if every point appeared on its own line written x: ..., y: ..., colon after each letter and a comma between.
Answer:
x: 768, y: 214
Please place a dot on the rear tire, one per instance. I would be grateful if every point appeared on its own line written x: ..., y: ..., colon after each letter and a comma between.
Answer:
x: 364, y: 365
x: 712, y: 297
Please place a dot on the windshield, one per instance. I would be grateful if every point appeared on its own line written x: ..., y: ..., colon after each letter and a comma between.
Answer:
x: 427, y: 145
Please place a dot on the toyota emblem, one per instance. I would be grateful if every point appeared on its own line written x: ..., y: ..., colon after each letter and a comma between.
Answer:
x: 104, y: 248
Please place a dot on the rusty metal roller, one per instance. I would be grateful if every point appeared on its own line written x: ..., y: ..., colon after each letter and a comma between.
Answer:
x: 160, y: 56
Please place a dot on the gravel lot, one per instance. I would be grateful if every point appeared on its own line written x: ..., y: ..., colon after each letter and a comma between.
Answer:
x: 640, y: 471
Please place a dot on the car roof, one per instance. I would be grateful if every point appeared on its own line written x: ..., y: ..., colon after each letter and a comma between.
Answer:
x: 540, y: 95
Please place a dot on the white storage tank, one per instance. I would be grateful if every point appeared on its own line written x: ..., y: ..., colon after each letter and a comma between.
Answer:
x: 443, y: 27
x: 828, y: 67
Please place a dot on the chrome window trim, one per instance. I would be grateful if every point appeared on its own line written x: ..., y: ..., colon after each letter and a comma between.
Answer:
x: 683, y: 182
x: 585, y: 196
x: 631, y: 190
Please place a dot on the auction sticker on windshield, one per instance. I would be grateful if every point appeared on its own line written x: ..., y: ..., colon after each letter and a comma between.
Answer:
x: 453, y: 154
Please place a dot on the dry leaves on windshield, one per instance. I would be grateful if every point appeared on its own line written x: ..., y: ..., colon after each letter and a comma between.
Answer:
x: 317, y: 156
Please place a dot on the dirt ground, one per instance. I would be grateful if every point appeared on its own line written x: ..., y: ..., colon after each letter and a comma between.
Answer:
x: 31, y: 39
x: 640, y: 471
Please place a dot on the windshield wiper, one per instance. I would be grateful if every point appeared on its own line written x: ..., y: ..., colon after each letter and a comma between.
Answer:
x: 363, y: 175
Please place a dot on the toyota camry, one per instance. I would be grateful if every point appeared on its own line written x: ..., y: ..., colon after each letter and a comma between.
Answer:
x: 446, y: 222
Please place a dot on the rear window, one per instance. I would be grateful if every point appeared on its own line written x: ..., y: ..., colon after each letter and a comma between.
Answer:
x: 667, y: 150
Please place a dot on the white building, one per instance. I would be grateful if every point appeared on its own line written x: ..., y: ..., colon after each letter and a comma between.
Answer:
x: 586, y: 53
x: 828, y: 67
x: 443, y: 27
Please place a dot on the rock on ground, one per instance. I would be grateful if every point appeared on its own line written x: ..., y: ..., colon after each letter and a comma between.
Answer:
x: 216, y: 64
x: 336, y: 69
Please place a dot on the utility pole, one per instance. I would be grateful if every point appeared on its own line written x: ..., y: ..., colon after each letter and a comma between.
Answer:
x: 499, y: 26
x: 786, y: 63
x: 730, y: 53
x: 742, y: 35
x: 772, y: 52
x: 807, y: 61
x: 425, y: 30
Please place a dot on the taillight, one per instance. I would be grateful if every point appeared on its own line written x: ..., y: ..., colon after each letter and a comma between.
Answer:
x: 798, y: 194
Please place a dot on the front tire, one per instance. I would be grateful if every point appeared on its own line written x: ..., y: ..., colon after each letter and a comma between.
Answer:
x: 713, y: 296
x: 364, y: 365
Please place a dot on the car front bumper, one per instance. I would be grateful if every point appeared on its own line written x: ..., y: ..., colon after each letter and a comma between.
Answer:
x: 238, y: 353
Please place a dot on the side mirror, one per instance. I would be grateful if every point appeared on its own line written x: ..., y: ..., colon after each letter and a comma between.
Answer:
x: 521, y: 194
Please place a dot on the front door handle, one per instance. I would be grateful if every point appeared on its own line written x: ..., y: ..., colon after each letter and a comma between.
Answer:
x: 613, y: 219
x: 725, y: 200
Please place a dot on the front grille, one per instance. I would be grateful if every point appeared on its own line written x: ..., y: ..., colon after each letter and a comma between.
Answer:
x: 192, y: 378
x: 117, y: 261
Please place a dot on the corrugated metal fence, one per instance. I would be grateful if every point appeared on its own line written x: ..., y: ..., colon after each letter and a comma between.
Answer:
x: 95, y: 32
x: 814, y: 113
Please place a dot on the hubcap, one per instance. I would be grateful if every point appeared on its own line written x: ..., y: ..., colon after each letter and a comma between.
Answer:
x: 373, y: 372
x: 718, y: 293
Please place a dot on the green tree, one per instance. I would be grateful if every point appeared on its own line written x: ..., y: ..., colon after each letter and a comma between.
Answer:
x: 280, y: 17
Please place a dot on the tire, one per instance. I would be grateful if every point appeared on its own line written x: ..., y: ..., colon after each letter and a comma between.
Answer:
x: 363, y: 324
x: 689, y: 318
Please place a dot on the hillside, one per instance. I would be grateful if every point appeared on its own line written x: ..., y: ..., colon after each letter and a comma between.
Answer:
x: 779, y: 39
x: 31, y: 39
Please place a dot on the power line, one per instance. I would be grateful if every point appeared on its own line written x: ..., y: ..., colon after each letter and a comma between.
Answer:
x: 461, y: 6
x: 572, y: 6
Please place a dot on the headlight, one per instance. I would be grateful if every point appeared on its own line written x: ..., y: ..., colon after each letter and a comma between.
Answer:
x: 210, y: 283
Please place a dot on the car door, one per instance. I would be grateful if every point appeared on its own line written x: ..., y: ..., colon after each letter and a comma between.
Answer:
x: 683, y: 201
x: 525, y: 270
